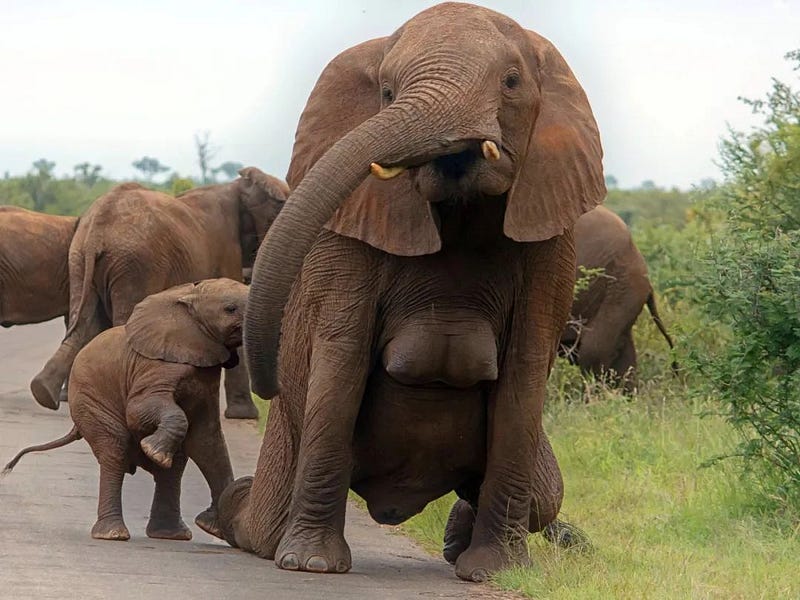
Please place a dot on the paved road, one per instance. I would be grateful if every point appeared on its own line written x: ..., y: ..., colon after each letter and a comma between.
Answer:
x: 48, y: 504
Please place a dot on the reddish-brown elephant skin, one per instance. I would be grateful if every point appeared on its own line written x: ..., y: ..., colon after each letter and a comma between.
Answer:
x: 422, y: 308
x: 34, y: 278
x: 147, y: 394
x: 133, y: 242
x: 599, y: 336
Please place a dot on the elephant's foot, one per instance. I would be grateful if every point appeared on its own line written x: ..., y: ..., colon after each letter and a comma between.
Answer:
x: 46, y: 392
x: 317, y: 550
x: 478, y: 563
x: 241, y: 408
x: 458, y: 531
x: 110, y: 528
x: 564, y: 535
x: 158, y: 449
x: 168, y: 528
x: 208, y: 521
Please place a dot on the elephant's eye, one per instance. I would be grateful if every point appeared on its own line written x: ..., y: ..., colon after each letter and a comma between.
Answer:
x: 387, y: 94
x: 230, y: 308
x: 511, y: 80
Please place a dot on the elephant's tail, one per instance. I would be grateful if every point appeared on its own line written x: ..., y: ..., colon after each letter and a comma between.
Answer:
x: 651, y: 306
x: 89, y: 259
x: 73, y: 436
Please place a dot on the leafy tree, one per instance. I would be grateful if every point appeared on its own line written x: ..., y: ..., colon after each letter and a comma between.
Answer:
x: 44, y: 168
x: 611, y: 182
x: 229, y: 169
x: 751, y: 283
x: 37, y: 184
x: 150, y: 167
x: 87, y: 173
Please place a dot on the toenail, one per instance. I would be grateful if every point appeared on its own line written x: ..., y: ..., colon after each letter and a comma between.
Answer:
x: 290, y: 562
x: 342, y: 567
x: 317, y: 564
x: 479, y: 575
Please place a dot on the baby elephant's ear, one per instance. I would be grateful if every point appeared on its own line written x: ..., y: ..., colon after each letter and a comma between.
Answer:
x: 163, y: 327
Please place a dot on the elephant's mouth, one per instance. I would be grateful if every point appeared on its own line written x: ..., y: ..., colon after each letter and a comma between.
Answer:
x: 455, y: 166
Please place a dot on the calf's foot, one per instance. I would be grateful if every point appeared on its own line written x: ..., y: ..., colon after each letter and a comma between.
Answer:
x: 110, y: 528
x: 208, y: 521
x: 158, y: 448
x: 168, y: 528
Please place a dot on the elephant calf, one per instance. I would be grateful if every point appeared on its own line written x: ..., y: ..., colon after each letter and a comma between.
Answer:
x: 147, y: 394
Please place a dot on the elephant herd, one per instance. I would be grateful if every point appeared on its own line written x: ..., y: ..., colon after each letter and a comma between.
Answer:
x: 408, y: 298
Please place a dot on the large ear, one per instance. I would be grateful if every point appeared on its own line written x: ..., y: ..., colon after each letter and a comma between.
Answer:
x: 389, y: 215
x: 561, y: 175
x: 272, y: 186
x: 162, y: 327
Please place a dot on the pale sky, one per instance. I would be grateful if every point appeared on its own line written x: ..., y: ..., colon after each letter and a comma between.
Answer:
x: 110, y: 81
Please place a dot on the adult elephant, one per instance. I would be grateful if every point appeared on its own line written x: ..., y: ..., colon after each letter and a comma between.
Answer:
x: 133, y: 242
x: 34, y: 278
x: 418, y: 337
x: 599, y: 336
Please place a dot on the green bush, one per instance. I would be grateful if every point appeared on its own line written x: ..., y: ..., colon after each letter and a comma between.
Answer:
x: 750, y: 283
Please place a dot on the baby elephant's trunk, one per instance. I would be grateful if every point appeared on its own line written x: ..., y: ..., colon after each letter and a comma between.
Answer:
x: 73, y: 436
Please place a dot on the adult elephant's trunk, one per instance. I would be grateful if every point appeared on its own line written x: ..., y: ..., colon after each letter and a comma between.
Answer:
x: 402, y: 134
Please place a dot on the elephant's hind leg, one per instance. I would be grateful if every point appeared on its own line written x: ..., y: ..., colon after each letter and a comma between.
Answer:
x: 458, y: 531
x: 109, y: 525
x: 165, y: 512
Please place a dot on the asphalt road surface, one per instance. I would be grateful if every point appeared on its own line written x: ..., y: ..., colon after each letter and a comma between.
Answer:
x: 48, y: 505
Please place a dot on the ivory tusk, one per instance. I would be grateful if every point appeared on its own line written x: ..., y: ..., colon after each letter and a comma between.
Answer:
x: 490, y: 151
x: 385, y: 172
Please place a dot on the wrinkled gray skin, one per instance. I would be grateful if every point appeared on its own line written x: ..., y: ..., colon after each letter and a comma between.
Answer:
x: 417, y: 340
x: 34, y: 277
x: 599, y: 337
x: 133, y: 242
x: 147, y: 394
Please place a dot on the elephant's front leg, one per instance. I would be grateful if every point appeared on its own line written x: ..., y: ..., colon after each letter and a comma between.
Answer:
x: 314, y: 536
x: 239, y: 402
x: 522, y: 485
x: 162, y: 421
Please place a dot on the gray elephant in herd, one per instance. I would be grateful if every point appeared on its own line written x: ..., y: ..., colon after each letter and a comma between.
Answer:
x: 406, y: 323
x: 133, y: 242
x: 34, y: 277
x: 599, y: 337
x: 147, y: 394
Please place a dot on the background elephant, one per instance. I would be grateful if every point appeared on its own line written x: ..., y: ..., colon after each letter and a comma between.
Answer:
x: 34, y: 278
x: 419, y: 335
x: 599, y: 337
x: 147, y: 394
x: 133, y: 242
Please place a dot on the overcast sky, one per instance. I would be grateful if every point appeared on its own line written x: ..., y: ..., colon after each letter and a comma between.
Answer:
x: 109, y: 82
